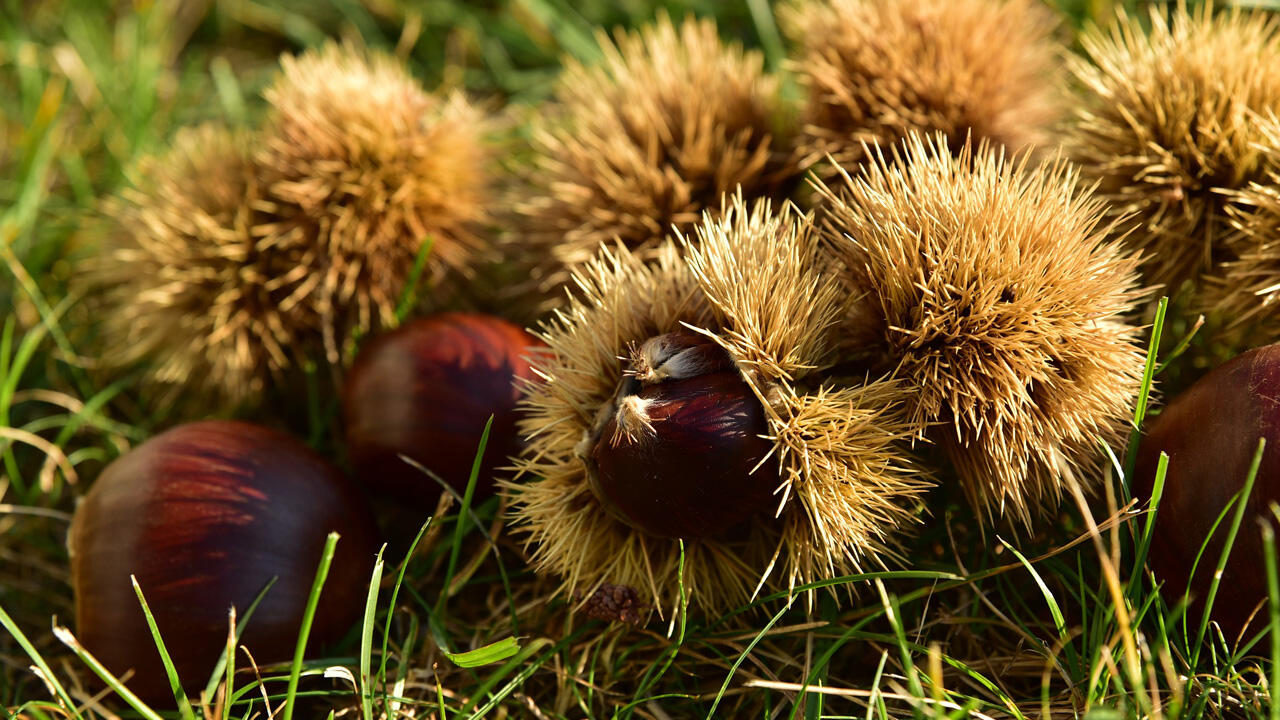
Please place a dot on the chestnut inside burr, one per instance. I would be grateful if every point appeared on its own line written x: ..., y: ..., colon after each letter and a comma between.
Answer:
x: 679, y: 451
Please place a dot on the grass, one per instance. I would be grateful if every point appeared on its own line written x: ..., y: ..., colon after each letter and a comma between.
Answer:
x: 1066, y: 623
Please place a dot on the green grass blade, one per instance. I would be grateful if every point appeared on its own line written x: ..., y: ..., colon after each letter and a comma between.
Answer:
x: 410, y: 296
x: 492, y: 681
x: 444, y: 714
x: 1181, y: 347
x: 395, y: 595
x: 1059, y: 622
x: 124, y: 693
x: 228, y: 88
x: 931, y: 575
x: 175, y: 684
x: 487, y: 655
x: 229, y: 677
x: 463, y: 512
x: 1144, y: 393
x: 567, y: 26
x: 724, y: 687
x: 1273, y: 609
x: 1236, y: 519
x: 308, y: 616
x: 669, y: 655
x: 90, y: 410
x: 894, y: 612
x: 224, y: 662
x: 1149, y: 528
x: 6, y: 348
x: 16, y: 633
x: 1226, y: 511
x: 767, y: 29
x: 366, y: 637
x: 876, y: 701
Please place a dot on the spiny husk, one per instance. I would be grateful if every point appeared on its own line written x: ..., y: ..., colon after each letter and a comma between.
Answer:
x: 196, y: 279
x: 655, y: 134
x: 378, y: 166
x: 1247, y: 293
x: 1167, y: 130
x: 875, y: 70
x: 990, y: 287
x: 751, y: 282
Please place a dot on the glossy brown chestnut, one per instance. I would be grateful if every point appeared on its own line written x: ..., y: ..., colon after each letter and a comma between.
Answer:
x: 426, y: 390
x: 1211, y: 433
x: 205, y: 515
x: 679, y: 452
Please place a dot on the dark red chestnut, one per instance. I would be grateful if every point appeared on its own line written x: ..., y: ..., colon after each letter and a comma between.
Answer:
x: 1211, y: 433
x: 679, y: 451
x: 205, y: 515
x: 426, y: 390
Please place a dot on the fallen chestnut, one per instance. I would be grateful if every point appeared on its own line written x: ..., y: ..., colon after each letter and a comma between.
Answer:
x: 680, y: 451
x: 1211, y: 433
x: 205, y: 515
x: 426, y: 390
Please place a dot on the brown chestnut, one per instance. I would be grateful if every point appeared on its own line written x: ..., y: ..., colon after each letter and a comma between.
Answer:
x: 1211, y: 434
x: 426, y: 390
x: 205, y: 515
x: 680, y: 451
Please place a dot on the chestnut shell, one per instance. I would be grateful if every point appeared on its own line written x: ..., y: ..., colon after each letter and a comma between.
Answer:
x: 205, y: 515
x: 1211, y: 433
x: 426, y: 390
x: 693, y: 477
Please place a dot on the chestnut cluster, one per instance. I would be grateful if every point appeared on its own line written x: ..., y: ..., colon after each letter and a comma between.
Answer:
x: 709, y: 411
x: 209, y: 513
x: 672, y: 118
x: 874, y: 71
x: 1172, y: 128
x: 754, y: 390
x: 688, y: 437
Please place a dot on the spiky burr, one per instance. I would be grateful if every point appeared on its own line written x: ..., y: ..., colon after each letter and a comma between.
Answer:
x: 990, y: 288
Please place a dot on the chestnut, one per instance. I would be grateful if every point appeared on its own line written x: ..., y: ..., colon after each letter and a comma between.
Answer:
x: 1211, y: 434
x: 681, y: 451
x: 205, y: 515
x: 426, y: 390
